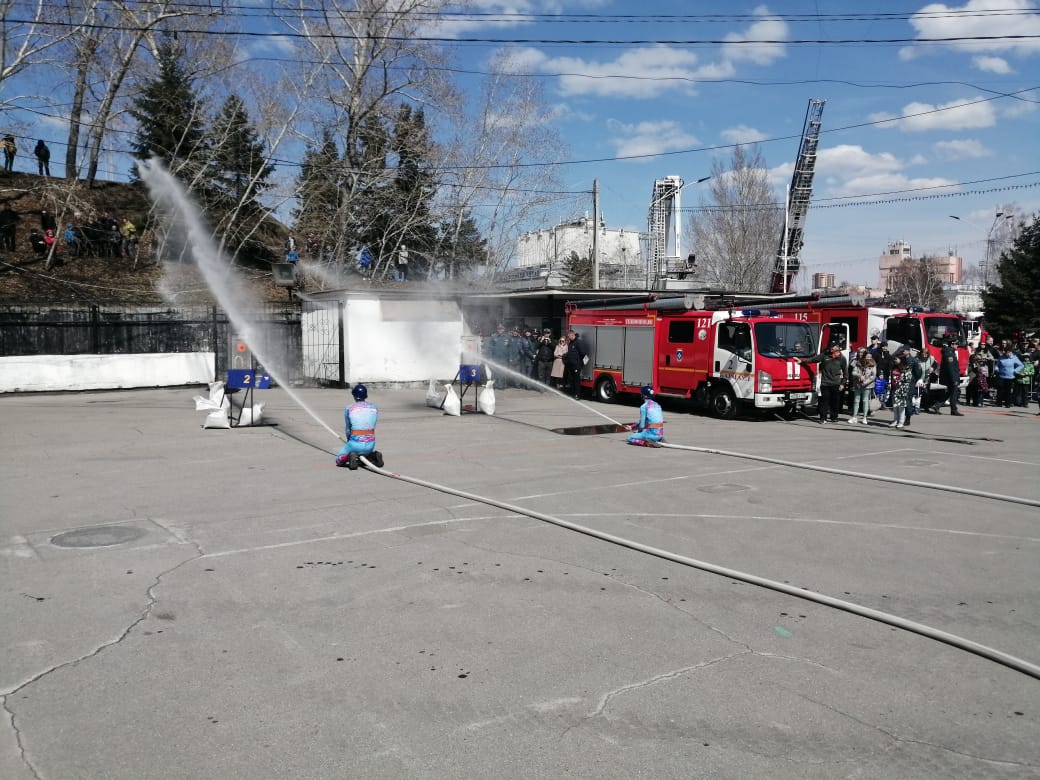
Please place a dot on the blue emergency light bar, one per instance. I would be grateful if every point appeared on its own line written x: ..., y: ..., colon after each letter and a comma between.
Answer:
x: 759, y: 312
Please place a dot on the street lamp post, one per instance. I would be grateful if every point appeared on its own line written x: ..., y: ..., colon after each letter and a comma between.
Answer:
x: 985, y: 265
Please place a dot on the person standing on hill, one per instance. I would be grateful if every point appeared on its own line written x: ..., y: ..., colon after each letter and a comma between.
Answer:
x: 128, y: 231
x: 43, y: 158
x: 8, y: 224
x: 10, y: 150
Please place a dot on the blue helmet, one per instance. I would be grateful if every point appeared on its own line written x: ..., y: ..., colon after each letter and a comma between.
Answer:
x: 646, y: 391
x: 360, y: 392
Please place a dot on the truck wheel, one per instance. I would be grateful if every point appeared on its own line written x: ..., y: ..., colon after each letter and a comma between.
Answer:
x: 723, y: 404
x: 606, y: 390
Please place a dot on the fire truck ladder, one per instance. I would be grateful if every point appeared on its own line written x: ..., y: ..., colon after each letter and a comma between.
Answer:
x: 798, y: 197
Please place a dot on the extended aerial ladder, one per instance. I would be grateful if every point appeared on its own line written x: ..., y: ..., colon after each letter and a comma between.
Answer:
x: 798, y: 197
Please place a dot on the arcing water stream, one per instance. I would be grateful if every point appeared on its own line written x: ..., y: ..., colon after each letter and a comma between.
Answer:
x: 186, y: 225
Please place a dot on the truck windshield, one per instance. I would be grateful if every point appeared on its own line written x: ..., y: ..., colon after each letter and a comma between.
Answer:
x: 937, y: 328
x: 785, y: 339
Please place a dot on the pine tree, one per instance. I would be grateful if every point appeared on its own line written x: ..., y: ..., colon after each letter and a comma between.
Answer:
x: 577, y: 271
x: 237, y: 175
x: 463, y: 248
x: 414, y: 186
x: 239, y: 167
x: 1013, y: 306
x: 169, y: 116
x: 318, y: 189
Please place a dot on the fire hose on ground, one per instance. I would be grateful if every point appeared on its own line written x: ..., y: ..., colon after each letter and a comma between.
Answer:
x: 992, y: 654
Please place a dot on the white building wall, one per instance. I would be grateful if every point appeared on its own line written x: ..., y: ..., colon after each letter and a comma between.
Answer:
x: 43, y: 373
x: 551, y: 247
x: 401, y: 340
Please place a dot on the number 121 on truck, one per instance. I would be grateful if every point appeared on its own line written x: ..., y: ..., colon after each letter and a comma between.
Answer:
x: 721, y: 360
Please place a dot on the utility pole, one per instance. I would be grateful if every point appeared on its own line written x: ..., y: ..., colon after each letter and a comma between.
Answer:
x: 595, y: 234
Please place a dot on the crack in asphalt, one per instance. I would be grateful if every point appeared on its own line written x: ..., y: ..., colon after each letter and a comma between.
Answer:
x: 145, y: 613
x: 606, y: 698
x: 908, y: 740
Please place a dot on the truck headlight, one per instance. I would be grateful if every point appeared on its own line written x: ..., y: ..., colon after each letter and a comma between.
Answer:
x: 765, y: 382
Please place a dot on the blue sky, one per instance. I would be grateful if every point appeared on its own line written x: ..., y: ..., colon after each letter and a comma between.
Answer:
x: 922, y: 100
x: 670, y: 106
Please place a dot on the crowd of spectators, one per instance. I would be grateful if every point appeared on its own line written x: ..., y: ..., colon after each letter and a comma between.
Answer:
x: 104, y: 236
x: 906, y: 382
x: 1004, y: 374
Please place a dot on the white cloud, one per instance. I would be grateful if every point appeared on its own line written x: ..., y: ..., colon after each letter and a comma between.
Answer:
x: 648, y: 72
x: 992, y: 64
x: 978, y: 19
x: 273, y: 44
x: 758, y: 53
x: 849, y: 169
x: 649, y: 137
x: 966, y: 149
x: 955, y: 115
x: 742, y: 134
x: 1018, y: 108
x: 849, y: 161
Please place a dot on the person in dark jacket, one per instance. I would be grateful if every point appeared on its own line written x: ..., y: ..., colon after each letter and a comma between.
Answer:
x: 834, y: 376
x: 573, y: 362
x: 949, y: 375
x: 43, y: 158
x: 544, y: 356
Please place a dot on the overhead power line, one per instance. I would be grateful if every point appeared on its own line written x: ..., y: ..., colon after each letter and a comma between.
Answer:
x: 312, y: 35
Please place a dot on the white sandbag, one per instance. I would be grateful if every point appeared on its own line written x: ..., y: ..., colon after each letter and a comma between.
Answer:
x: 217, y: 419
x: 486, y: 401
x: 452, y: 403
x: 251, y: 415
x: 217, y: 399
x: 433, y: 396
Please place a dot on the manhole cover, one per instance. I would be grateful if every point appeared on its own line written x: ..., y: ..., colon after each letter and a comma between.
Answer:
x: 724, y: 487
x: 98, y: 536
x: 922, y: 463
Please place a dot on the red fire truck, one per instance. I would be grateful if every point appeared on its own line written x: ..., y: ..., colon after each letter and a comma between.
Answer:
x: 721, y: 359
x: 853, y: 321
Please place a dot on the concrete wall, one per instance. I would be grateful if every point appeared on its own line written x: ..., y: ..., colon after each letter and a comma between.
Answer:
x: 392, y: 340
x: 104, y: 372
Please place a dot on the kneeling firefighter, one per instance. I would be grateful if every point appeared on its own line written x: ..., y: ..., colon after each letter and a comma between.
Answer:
x: 360, y: 418
x: 650, y: 428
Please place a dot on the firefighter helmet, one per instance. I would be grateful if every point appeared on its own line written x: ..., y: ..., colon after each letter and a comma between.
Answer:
x: 360, y: 392
x: 646, y: 391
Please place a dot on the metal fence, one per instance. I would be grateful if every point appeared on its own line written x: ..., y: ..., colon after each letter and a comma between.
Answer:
x: 323, y: 336
x: 111, y: 330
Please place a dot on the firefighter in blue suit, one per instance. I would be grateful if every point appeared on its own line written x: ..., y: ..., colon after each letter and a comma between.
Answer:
x: 360, y: 418
x: 650, y: 428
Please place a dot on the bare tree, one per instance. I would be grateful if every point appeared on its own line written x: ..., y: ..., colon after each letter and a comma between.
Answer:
x: 735, y: 231
x: 488, y: 164
x: 29, y: 31
x: 918, y: 282
x: 362, y: 62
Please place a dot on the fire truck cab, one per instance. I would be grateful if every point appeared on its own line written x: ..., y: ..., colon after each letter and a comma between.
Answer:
x: 721, y: 360
x: 915, y: 327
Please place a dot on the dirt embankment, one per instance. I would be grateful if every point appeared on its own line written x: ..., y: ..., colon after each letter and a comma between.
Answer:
x: 101, y: 276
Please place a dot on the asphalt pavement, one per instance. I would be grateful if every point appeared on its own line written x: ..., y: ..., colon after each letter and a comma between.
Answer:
x: 182, y: 602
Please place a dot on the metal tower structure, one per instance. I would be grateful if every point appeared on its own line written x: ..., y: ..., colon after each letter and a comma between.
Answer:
x: 663, y: 228
x: 798, y: 196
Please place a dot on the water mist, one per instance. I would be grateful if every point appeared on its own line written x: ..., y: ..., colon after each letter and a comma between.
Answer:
x: 186, y: 224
